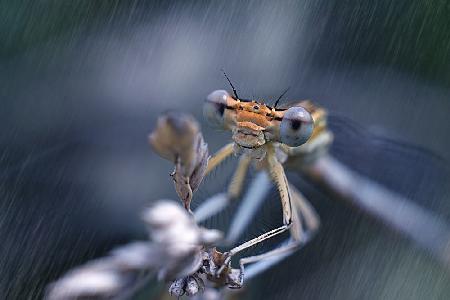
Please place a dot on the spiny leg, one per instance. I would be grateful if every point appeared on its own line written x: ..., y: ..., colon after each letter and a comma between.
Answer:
x: 303, y: 209
x: 264, y: 261
x: 250, y: 243
x: 295, y: 227
x: 253, y: 198
x: 218, y: 202
x: 278, y: 176
x: 257, y: 240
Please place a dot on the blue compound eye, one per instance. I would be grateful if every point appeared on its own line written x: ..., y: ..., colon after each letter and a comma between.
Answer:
x: 296, y: 127
x: 214, y: 107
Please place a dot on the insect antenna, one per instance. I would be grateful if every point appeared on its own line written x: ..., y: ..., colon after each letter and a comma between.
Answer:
x: 229, y: 81
x: 281, y: 96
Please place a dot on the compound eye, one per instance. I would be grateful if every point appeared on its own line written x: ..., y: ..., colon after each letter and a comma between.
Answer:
x: 296, y: 127
x: 214, y: 107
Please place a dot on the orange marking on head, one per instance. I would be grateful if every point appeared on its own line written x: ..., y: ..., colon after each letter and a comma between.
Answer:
x: 255, y: 118
x: 250, y: 125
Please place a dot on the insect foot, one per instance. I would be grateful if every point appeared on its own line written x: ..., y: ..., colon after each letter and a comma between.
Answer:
x: 179, y: 238
x: 216, y: 268
x: 190, y: 286
x: 235, y: 279
x: 175, y: 250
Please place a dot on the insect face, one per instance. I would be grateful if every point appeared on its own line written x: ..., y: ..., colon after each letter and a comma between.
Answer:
x: 254, y: 124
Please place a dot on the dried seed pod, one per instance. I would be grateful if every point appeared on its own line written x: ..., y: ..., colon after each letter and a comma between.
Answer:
x: 192, y: 286
x: 176, y: 251
x: 177, y: 138
x: 177, y: 288
x: 95, y: 279
x: 235, y: 279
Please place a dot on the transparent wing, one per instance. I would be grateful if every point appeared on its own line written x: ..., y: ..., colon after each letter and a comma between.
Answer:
x: 351, y: 249
x: 412, y: 171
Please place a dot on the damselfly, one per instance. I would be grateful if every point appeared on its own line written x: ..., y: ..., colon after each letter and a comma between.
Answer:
x: 295, y: 137
x: 273, y: 150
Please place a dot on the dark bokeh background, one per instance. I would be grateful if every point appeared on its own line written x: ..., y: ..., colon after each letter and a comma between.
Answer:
x: 82, y: 82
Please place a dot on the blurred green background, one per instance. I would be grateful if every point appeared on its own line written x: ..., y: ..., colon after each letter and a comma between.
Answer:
x: 411, y: 36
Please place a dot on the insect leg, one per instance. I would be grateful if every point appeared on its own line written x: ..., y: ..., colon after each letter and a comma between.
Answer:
x: 258, y: 240
x: 219, y: 157
x: 276, y: 172
x: 303, y: 212
x: 254, y: 197
x: 278, y: 176
x: 218, y: 202
x: 251, y: 243
x: 266, y: 260
x: 296, y: 229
